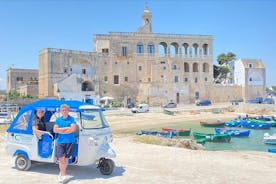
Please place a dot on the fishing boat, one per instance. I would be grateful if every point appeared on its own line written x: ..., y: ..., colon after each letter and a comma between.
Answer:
x: 233, y: 123
x: 212, y: 137
x: 255, y: 125
x: 233, y: 132
x: 183, y: 132
x: 147, y: 132
x: 201, y: 141
x: 180, y: 132
x: 212, y: 124
x: 271, y: 150
x: 166, y: 134
x: 171, y: 132
x: 264, y: 119
x: 269, y: 139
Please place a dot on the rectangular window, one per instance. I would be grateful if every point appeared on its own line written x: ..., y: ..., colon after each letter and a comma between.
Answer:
x: 65, y: 70
x: 19, y: 78
x: 140, y: 68
x: 175, y: 78
x: 140, y: 48
x: 83, y: 71
x: 151, y: 50
x: 116, y: 79
x: 105, y: 51
x: 124, y: 51
x: 126, y: 79
x: 185, y: 79
x: 105, y: 78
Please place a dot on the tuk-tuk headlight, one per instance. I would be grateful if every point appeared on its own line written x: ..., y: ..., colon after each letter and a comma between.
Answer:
x: 92, y: 141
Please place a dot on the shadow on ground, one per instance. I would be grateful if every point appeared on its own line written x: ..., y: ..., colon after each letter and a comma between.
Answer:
x: 77, y: 172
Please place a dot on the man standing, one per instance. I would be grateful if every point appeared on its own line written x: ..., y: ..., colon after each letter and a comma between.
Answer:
x: 64, y: 127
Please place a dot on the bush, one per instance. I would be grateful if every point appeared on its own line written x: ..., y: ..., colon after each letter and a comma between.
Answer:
x: 117, y: 104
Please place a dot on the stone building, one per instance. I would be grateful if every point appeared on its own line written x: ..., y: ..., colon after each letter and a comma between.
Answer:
x: 140, y: 66
x: 24, y: 81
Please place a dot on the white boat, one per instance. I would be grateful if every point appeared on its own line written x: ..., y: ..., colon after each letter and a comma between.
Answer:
x: 269, y: 139
x: 5, y: 117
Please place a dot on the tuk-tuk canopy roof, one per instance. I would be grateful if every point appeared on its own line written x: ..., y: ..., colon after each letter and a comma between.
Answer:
x: 46, y: 105
x: 52, y: 103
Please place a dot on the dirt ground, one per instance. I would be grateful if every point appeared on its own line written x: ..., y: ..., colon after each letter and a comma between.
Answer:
x: 144, y: 163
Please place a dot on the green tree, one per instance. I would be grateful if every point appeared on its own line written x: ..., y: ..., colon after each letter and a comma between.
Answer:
x: 222, y: 70
x: 224, y: 59
x: 216, y: 71
x: 13, y: 95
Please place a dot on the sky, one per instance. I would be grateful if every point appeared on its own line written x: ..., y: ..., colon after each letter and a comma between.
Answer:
x: 244, y: 27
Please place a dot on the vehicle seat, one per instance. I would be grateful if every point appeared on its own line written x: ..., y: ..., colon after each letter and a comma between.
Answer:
x: 45, y: 146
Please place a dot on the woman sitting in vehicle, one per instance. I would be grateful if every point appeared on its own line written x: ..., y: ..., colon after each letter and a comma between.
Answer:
x: 39, y: 126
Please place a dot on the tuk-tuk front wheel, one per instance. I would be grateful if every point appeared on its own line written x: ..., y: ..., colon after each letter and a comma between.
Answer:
x: 106, y: 166
x: 22, y: 163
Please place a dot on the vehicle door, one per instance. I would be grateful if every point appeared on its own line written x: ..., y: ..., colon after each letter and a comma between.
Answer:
x: 20, y: 137
x: 93, y: 131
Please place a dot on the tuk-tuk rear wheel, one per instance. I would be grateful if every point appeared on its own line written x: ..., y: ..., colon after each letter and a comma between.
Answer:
x: 106, y: 166
x: 22, y: 163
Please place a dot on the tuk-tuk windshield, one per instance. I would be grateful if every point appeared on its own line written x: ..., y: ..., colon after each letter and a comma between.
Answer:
x: 93, y: 119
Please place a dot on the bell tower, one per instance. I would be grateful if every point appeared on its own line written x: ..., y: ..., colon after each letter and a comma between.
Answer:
x: 146, y: 21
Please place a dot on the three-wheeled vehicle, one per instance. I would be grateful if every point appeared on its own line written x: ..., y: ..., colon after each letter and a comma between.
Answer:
x: 93, y: 136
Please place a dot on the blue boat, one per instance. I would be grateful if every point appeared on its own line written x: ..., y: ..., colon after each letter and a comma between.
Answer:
x: 233, y: 123
x: 233, y: 132
x: 253, y: 125
x: 271, y: 150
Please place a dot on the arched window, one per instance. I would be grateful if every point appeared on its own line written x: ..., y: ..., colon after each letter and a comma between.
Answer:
x: 186, y: 67
x: 205, y: 67
x: 205, y: 49
x: 173, y: 49
x: 140, y: 48
x: 195, y: 67
x: 162, y: 49
x: 185, y: 50
x: 150, y: 49
x: 195, y: 49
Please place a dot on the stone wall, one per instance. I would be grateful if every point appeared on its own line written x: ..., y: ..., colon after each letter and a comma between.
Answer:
x: 220, y: 93
x: 30, y: 89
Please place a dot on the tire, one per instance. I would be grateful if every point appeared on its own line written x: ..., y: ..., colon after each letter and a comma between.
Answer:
x: 22, y: 163
x: 106, y: 166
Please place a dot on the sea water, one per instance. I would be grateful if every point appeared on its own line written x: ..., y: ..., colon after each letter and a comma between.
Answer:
x: 252, y: 143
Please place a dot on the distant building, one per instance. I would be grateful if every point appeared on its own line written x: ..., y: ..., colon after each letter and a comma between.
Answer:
x: 24, y: 81
x: 250, y: 75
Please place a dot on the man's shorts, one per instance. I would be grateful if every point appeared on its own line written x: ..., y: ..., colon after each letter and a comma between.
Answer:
x: 65, y: 149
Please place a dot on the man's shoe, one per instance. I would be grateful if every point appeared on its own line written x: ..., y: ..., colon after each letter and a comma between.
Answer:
x: 60, y: 178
